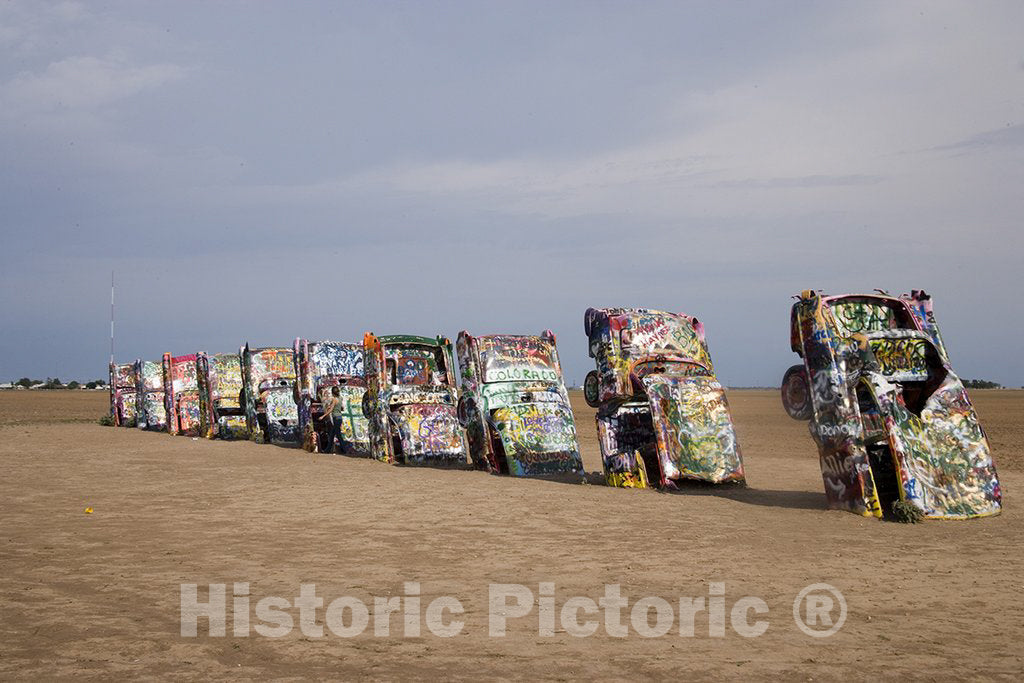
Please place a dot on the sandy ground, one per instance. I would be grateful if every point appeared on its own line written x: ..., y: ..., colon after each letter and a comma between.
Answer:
x: 97, y: 595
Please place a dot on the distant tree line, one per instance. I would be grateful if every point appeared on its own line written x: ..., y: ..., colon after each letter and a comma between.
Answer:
x: 55, y: 383
x: 981, y: 384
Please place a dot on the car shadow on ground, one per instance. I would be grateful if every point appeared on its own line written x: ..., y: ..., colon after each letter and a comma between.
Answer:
x: 793, y: 500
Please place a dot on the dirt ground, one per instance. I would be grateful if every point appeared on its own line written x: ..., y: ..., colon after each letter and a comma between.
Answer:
x: 98, y: 595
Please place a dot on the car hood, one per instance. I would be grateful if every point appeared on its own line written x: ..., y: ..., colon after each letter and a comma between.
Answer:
x: 280, y: 405
x: 695, y: 433
x: 944, y: 457
x: 539, y: 438
x: 428, y: 430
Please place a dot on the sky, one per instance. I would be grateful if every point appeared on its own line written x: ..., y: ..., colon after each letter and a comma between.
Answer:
x: 262, y: 171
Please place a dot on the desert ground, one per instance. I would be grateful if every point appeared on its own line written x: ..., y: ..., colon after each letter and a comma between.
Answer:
x: 98, y: 595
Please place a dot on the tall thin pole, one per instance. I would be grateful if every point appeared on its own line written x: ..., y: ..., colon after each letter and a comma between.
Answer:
x: 111, y: 317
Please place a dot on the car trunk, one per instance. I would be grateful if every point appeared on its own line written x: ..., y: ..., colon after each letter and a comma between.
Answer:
x: 695, y: 434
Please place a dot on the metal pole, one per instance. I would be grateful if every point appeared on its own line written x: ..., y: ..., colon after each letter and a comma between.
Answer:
x: 111, y: 317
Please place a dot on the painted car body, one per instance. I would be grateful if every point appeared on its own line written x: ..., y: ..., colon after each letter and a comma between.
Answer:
x: 321, y: 366
x: 411, y: 399
x: 221, y: 405
x: 270, y: 409
x: 514, y: 405
x: 662, y: 414
x: 150, y: 401
x: 181, y: 394
x: 893, y: 423
x: 123, y: 393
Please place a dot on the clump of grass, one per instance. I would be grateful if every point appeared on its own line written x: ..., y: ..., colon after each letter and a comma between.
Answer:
x: 106, y: 420
x: 906, y: 513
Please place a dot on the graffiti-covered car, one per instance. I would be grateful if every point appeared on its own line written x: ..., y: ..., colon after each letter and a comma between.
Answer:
x: 411, y: 399
x: 221, y: 408
x: 150, y: 400
x: 322, y: 368
x: 123, y: 393
x: 181, y: 394
x: 270, y: 409
x: 514, y: 405
x: 897, y: 434
x: 662, y: 415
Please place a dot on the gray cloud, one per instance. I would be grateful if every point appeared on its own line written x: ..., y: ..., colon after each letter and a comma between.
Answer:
x: 499, y: 167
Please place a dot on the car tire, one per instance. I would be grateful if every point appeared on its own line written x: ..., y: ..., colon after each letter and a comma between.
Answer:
x: 465, y: 411
x: 796, y: 393
x: 592, y: 389
x: 367, y: 408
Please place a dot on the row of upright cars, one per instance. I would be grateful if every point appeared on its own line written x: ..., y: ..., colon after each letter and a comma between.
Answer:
x: 893, y: 424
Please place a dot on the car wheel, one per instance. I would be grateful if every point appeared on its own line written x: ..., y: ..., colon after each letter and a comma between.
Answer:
x: 366, y: 406
x: 591, y: 388
x: 465, y: 411
x: 796, y: 393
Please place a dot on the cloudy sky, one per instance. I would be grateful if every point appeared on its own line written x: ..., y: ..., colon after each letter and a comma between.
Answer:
x: 261, y: 171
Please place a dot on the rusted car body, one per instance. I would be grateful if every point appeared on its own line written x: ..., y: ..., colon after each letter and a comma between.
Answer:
x: 411, y: 399
x: 123, y: 393
x: 271, y: 412
x: 181, y: 394
x: 896, y: 431
x: 662, y: 415
x: 150, y: 400
x: 221, y: 406
x: 514, y: 405
x: 323, y: 366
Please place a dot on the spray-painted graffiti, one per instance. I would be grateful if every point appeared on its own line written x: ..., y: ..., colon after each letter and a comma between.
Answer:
x: 269, y: 388
x: 181, y: 394
x: 893, y: 423
x: 331, y: 373
x: 662, y: 415
x: 515, y: 407
x: 695, y: 433
x: 124, y: 394
x: 506, y: 358
x: 429, y: 430
x: 901, y: 358
x: 410, y: 400
x: 332, y: 359
x: 151, y: 397
x: 853, y: 317
x: 221, y: 409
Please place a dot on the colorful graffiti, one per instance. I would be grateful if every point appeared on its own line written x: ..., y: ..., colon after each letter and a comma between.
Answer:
x: 662, y: 415
x: 515, y: 407
x: 269, y: 391
x: 181, y: 391
x: 221, y: 409
x: 893, y: 422
x: 505, y: 358
x: 123, y: 385
x: 152, y: 413
x: 325, y: 367
x: 855, y: 317
x: 694, y: 428
x: 410, y: 401
x: 333, y: 359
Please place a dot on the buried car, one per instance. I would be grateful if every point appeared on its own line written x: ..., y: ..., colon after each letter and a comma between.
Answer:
x: 322, y: 367
x: 181, y: 394
x: 515, y: 407
x: 150, y: 401
x: 897, y: 434
x: 662, y: 415
x: 271, y: 413
x: 410, y: 401
x: 123, y: 393
x: 221, y: 409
